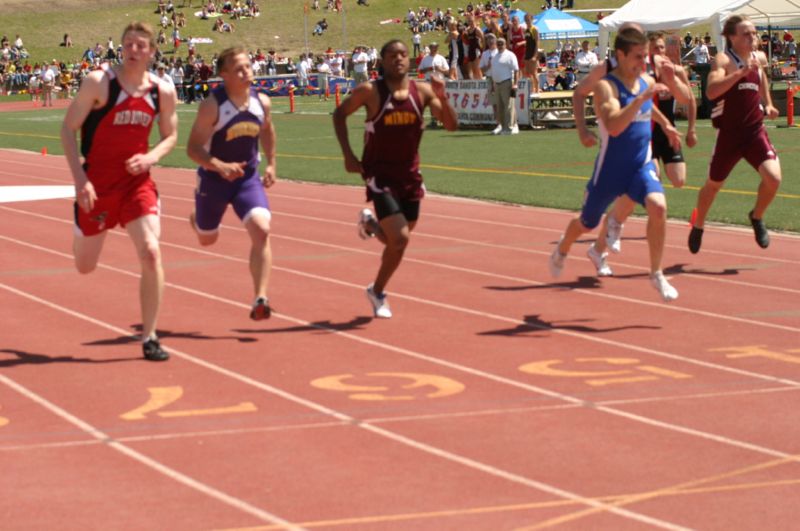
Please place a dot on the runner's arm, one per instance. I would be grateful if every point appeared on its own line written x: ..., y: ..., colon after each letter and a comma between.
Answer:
x: 584, y: 89
x: 202, y: 130
x: 359, y: 97
x: 88, y: 96
x: 719, y: 82
x: 439, y: 103
x: 167, y: 128
x: 268, y: 142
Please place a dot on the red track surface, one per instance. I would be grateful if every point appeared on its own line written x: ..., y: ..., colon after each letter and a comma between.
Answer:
x: 582, y: 404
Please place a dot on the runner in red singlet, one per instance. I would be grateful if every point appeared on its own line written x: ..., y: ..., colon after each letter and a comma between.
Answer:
x: 517, y: 43
x: 390, y: 165
x: 738, y: 86
x: 115, y: 110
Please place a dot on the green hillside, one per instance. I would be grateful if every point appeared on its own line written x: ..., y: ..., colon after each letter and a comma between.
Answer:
x: 280, y: 27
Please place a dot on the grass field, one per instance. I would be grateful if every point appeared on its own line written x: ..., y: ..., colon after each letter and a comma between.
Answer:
x: 547, y: 168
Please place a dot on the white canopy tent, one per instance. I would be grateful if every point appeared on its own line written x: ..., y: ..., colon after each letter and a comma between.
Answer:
x: 680, y: 14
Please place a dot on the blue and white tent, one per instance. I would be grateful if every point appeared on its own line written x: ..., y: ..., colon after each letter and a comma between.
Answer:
x: 556, y: 24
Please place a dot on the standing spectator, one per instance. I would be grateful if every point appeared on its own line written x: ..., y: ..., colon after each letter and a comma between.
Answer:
x: 302, y: 74
x: 360, y: 65
x: 161, y: 73
x: 455, y: 47
x: 505, y: 75
x: 176, y: 73
x: 531, y: 52
x: 516, y: 40
x: 67, y: 42
x: 323, y: 70
x: 473, y: 40
x: 48, y: 82
x: 585, y: 60
x: 701, y: 56
x: 433, y: 63
x: 416, y: 40
x: 486, y: 64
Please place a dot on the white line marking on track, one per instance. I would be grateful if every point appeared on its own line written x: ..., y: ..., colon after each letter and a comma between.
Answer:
x: 429, y: 449
x: 171, y: 473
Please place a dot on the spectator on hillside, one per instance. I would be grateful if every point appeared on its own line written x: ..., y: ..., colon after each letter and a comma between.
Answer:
x: 223, y: 27
x: 320, y: 27
x: 66, y: 42
x: 416, y: 40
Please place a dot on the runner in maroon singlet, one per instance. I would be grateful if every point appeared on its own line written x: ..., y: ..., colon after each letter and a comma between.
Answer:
x: 390, y: 165
x: 115, y: 109
x: 738, y: 85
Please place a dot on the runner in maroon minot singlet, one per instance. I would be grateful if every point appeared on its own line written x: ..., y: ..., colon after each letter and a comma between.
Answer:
x: 738, y: 85
x: 390, y: 165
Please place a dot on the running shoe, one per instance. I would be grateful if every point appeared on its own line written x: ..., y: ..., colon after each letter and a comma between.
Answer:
x: 380, y: 305
x: 614, y: 234
x: 695, y: 239
x: 366, y: 224
x: 556, y: 262
x: 760, y: 231
x: 261, y: 309
x: 515, y: 129
x: 659, y: 281
x: 599, y: 261
x: 152, y: 350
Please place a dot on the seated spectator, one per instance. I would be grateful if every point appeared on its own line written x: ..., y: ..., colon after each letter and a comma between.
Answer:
x: 320, y: 28
x: 224, y: 27
x: 565, y: 80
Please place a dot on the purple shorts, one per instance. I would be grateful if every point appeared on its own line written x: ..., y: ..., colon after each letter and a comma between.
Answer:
x: 731, y: 146
x: 213, y: 194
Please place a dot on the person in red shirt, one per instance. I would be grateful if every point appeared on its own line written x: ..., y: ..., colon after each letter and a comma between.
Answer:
x: 390, y: 164
x: 114, y: 110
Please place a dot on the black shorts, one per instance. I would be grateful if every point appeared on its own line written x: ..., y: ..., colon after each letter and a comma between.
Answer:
x: 387, y: 205
x: 662, y: 150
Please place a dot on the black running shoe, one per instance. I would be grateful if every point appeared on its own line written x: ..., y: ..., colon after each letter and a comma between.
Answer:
x: 760, y: 230
x: 153, y: 351
x: 261, y: 309
x: 695, y: 239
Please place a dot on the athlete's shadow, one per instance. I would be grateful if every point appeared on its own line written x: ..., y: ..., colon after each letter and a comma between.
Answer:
x: 322, y: 327
x: 29, y: 358
x: 534, y: 323
x: 679, y: 269
x: 167, y: 334
x: 580, y: 282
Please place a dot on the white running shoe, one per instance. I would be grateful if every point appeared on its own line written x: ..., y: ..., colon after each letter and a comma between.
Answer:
x: 556, y: 262
x: 515, y: 129
x: 365, y: 219
x: 659, y: 281
x: 380, y: 306
x: 497, y: 130
x: 599, y: 261
x: 614, y: 234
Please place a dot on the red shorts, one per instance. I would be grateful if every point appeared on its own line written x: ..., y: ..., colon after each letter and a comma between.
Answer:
x: 731, y: 147
x: 118, y: 208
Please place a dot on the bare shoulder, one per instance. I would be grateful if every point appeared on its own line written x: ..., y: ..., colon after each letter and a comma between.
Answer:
x: 762, y: 58
x: 266, y: 102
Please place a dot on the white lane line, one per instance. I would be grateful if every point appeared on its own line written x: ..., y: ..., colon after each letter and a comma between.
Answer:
x: 429, y: 449
x: 483, y: 374
x: 737, y: 230
x: 171, y: 473
x: 478, y: 313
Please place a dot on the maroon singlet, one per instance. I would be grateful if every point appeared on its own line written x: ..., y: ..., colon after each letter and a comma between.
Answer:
x: 391, y: 145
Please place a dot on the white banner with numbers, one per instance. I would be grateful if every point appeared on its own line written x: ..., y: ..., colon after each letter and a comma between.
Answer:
x: 470, y: 99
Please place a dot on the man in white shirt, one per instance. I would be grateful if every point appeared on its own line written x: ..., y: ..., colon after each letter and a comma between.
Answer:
x: 161, y: 73
x: 504, y: 70
x: 302, y: 74
x: 485, y: 65
x: 360, y: 65
x: 701, y: 55
x: 585, y: 60
x: 433, y: 63
x: 48, y: 82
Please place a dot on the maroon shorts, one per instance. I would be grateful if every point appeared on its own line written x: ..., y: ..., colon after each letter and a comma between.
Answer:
x: 732, y: 146
x: 120, y: 207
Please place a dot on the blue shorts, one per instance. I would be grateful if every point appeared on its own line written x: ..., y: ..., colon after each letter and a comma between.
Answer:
x: 213, y: 194
x: 610, y: 184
